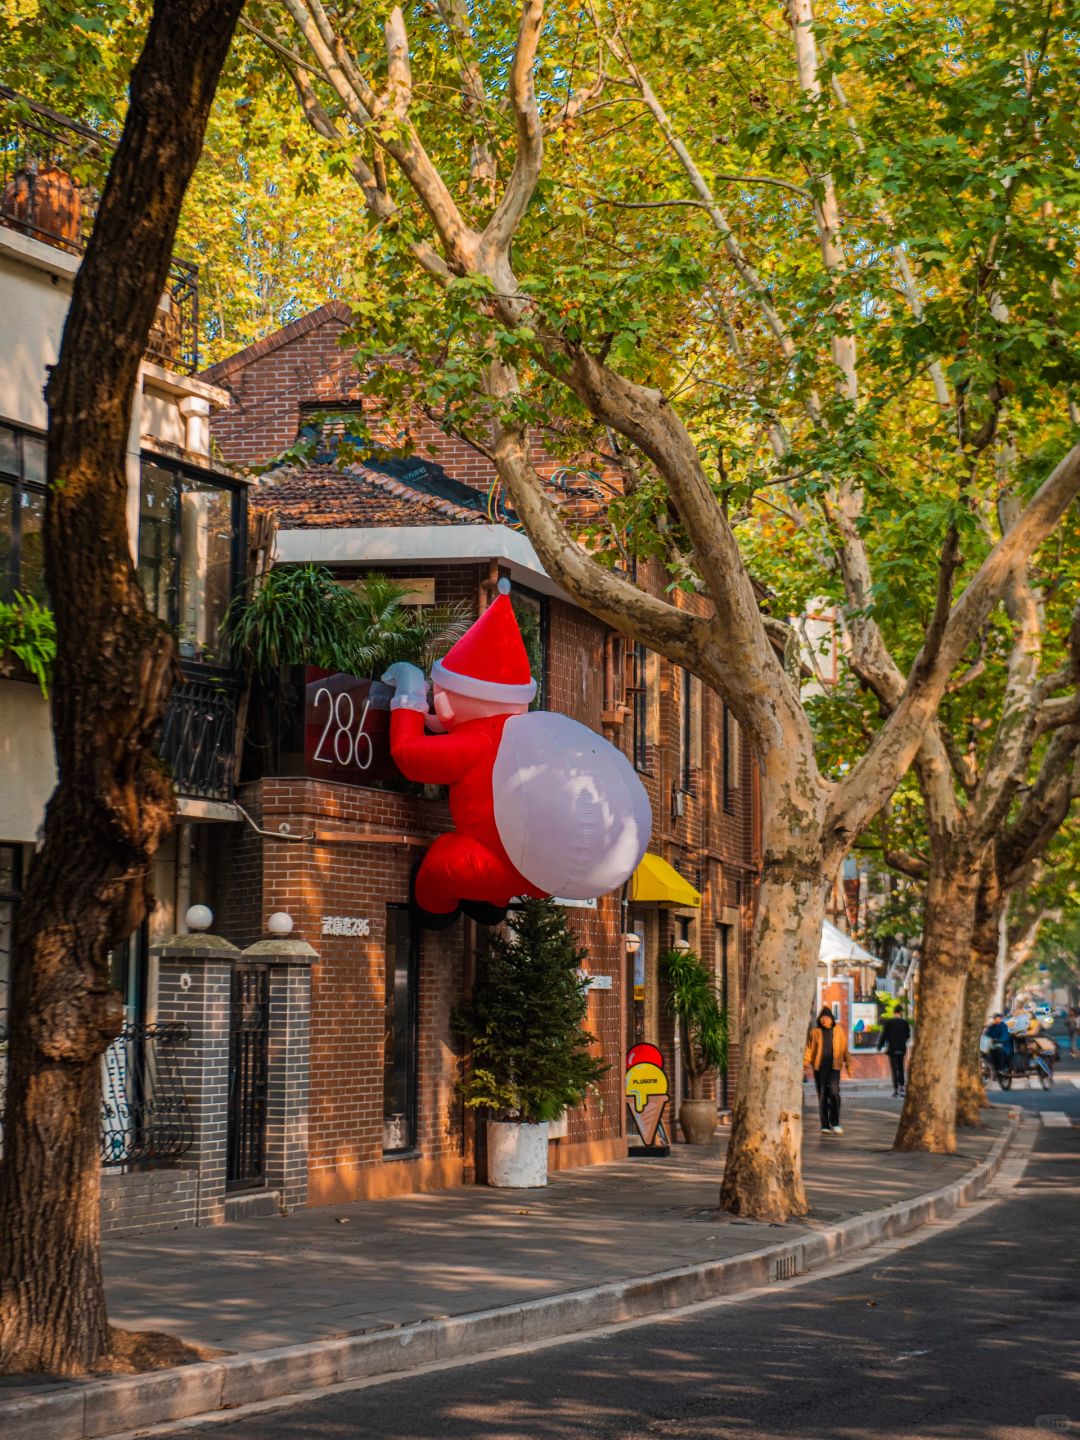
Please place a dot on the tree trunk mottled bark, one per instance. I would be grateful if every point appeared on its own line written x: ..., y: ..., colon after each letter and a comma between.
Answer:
x: 985, y: 941
x: 928, y: 1119
x: 114, y: 668
x: 763, y: 1174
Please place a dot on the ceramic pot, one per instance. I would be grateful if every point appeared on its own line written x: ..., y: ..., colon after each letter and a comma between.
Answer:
x: 697, y: 1120
x: 517, y: 1155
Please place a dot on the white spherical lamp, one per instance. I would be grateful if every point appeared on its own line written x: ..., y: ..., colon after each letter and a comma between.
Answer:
x: 280, y: 924
x: 199, y: 917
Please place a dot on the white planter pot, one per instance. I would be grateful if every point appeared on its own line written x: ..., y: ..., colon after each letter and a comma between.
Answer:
x: 517, y: 1155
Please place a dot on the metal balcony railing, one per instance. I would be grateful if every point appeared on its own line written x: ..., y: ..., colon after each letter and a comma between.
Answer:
x: 145, y: 1117
x: 52, y: 171
x: 198, y: 739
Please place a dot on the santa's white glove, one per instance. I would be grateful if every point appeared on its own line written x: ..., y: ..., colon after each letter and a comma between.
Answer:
x: 410, y: 687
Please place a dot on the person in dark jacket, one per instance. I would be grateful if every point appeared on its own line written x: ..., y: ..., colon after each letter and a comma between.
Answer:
x: 826, y: 1051
x: 895, y: 1037
x: 1001, y: 1042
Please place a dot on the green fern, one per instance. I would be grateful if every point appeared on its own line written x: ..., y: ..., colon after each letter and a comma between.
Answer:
x: 28, y: 635
x: 301, y: 615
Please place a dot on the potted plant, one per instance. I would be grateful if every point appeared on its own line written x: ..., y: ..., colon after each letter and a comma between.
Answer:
x: 694, y: 1003
x: 300, y: 615
x: 529, y: 1052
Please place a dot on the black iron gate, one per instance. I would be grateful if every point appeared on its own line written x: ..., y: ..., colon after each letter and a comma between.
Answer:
x: 249, y: 1037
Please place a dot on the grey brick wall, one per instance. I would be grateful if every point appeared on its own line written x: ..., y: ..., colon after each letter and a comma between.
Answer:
x: 287, y: 1088
x: 194, y: 987
x: 148, y: 1200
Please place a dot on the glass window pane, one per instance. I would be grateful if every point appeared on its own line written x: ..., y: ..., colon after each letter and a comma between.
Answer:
x: 7, y: 524
x: 34, y: 460
x: 529, y: 612
x: 399, y: 1091
x: 9, y: 889
x: 31, y: 580
x: 206, y: 565
x: 157, y: 551
x: 9, y: 451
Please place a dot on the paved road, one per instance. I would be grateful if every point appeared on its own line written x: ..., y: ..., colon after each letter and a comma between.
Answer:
x: 969, y: 1333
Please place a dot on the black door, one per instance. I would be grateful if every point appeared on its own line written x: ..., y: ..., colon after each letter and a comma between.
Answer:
x: 249, y: 1036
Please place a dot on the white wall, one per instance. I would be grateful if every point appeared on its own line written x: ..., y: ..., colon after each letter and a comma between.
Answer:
x: 27, y: 767
x: 32, y: 311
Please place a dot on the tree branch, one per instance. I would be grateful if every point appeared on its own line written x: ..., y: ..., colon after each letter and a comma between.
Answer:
x: 530, y: 137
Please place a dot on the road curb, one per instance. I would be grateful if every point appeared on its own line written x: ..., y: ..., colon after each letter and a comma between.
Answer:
x: 101, y: 1408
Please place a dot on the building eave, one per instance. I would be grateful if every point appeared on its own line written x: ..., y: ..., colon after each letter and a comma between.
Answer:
x: 419, y: 545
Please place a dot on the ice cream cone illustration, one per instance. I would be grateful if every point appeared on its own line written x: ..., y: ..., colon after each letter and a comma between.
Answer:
x: 648, y: 1122
x: 646, y: 1092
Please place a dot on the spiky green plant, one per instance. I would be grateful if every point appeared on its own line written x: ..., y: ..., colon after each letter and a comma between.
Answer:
x: 694, y: 1002
x: 301, y: 615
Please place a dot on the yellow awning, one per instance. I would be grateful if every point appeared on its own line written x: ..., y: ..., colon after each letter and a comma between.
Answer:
x: 656, y: 881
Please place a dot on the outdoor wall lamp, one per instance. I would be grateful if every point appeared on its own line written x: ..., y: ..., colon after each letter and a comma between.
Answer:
x: 280, y: 923
x: 632, y: 942
x: 199, y: 917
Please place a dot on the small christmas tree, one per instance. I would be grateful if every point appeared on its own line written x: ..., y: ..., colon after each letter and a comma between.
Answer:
x: 524, y: 1023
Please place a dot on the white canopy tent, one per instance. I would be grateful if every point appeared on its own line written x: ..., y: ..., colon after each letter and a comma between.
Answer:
x: 836, y: 948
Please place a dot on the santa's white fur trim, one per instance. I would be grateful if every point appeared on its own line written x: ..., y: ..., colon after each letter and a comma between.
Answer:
x: 481, y: 689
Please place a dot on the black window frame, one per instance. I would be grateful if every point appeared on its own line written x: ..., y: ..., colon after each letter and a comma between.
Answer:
x: 238, y: 490
x: 686, y: 732
x: 726, y: 721
x: 412, y: 1033
x: 12, y: 897
x: 10, y: 580
x: 519, y: 592
x: 640, y: 711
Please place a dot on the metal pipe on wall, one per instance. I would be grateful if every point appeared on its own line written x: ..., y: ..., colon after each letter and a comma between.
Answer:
x: 184, y: 846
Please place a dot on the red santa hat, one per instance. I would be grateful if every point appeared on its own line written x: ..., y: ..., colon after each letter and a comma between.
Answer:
x: 489, y: 662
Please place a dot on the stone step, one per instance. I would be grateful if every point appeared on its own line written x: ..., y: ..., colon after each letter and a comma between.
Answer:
x: 252, y: 1205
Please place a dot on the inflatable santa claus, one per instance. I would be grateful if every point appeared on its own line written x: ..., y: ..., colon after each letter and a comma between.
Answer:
x: 541, y: 805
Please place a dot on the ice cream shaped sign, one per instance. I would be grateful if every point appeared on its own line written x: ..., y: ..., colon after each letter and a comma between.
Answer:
x: 541, y: 804
x: 646, y: 1092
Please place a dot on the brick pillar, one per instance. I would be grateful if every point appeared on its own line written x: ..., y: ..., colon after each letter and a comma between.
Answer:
x: 195, y: 989
x: 289, y: 1065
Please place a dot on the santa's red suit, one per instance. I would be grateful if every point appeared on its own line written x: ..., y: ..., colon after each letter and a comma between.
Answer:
x: 470, y: 862
x: 486, y: 679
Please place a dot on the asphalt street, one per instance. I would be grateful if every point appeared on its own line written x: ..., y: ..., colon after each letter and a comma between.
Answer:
x: 972, y: 1332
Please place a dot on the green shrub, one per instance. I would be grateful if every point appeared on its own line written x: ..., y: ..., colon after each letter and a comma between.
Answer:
x: 524, y: 1023
x: 301, y: 615
x: 703, y: 1023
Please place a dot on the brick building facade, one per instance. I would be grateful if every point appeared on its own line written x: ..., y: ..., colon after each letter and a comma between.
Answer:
x: 322, y: 849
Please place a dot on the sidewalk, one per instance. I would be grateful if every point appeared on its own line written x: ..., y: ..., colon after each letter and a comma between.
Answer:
x: 353, y: 1269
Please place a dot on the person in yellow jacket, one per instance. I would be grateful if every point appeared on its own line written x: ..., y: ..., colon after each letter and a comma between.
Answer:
x: 826, y: 1052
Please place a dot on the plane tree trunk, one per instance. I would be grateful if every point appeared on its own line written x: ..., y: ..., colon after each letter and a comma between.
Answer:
x: 87, y: 888
x: 985, y: 943
x: 928, y: 1119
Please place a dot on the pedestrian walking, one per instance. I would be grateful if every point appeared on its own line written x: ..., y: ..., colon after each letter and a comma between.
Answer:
x: 895, y: 1037
x: 1072, y: 1026
x: 826, y: 1052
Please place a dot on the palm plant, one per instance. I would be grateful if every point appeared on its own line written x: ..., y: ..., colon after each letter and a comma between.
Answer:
x: 301, y: 615
x: 694, y: 1003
